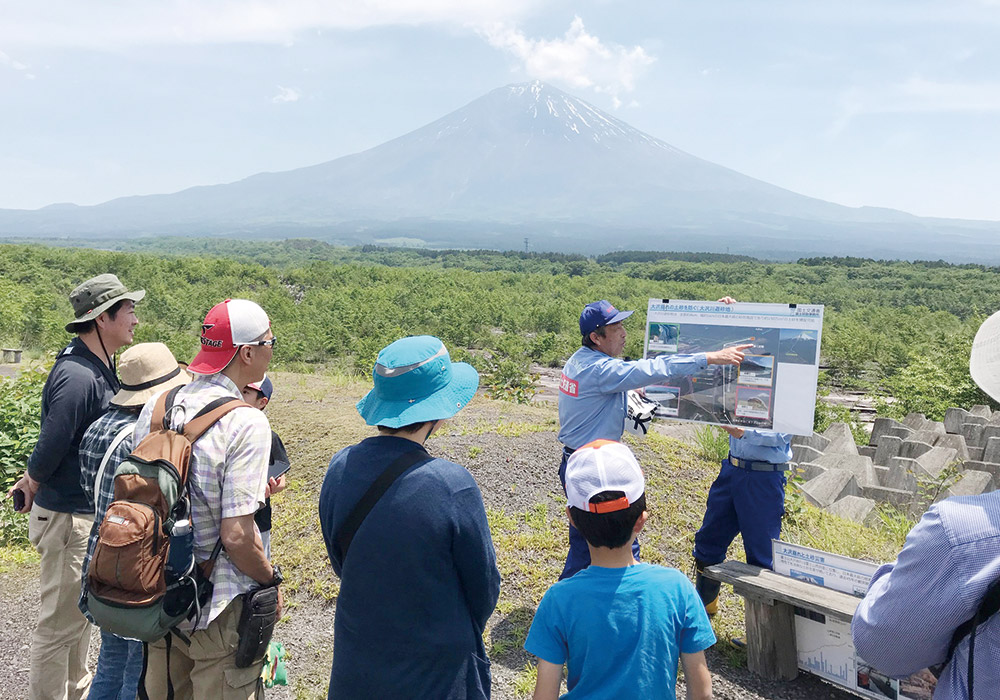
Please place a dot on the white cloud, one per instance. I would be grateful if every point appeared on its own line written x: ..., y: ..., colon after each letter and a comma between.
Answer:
x: 580, y: 59
x: 105, y: 25
x: 6, y: 60
x: 286, y: 94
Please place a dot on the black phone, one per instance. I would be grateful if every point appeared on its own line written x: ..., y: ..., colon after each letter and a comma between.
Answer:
x: 18, y: 498
x: 276, y: 469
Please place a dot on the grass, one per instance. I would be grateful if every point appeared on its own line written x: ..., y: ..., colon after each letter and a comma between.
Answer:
x: 17, y: 557
x: 712, y: 443
x: 524, y: 681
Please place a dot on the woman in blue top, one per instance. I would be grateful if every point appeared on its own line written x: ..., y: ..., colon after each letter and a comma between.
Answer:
x: 419, y: 578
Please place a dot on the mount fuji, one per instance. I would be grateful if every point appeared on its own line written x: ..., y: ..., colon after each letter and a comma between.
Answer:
x: 525, y: 160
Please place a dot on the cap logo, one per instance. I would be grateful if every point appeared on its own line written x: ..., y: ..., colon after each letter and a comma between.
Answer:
x: 206, y: 327
x: 211, y: 343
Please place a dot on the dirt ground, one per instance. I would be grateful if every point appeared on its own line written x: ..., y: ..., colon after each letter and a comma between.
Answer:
x: 512, y: 452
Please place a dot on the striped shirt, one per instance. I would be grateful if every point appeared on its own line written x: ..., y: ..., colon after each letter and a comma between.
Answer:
x: 226, y: 479
x: 93, y: 446
x: 913, y: 606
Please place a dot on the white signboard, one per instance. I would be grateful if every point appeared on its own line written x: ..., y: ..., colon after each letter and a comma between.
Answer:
x: 775, y: 386
x: 824, y: 645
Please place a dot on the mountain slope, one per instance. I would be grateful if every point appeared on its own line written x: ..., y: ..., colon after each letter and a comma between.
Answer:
x: 526, y: 159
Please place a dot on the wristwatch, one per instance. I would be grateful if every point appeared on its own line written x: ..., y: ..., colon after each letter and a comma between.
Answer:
x: 277, y: 579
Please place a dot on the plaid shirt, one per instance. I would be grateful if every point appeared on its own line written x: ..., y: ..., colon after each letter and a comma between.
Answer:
x: 93, y: 446
x: 226, y: 479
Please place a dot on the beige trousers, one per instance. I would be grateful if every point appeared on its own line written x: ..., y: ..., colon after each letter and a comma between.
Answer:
x: 205, y: 669
x: 62, y: 636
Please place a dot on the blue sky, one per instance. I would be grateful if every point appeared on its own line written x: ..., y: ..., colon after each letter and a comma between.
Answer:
x: 892, y: 103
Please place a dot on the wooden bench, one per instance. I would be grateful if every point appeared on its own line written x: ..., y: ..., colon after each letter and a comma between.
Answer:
x: 770, y: 601
x: 12, y: 355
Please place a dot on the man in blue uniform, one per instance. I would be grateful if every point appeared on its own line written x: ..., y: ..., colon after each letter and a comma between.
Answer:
x: 747, y: 497
x: 593, y: 389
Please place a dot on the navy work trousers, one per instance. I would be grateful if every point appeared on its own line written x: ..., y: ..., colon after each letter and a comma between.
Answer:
x: 578, y: 557
x: 744, y: 502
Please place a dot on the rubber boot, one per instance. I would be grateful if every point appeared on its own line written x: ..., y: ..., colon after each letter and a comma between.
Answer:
x: 708, y: 589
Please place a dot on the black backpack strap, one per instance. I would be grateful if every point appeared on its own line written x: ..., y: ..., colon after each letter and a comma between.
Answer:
x: 143, y: 695
x: 373, y: 494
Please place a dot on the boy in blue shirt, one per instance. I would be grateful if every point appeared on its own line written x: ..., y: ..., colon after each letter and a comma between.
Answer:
x: 618, y: 626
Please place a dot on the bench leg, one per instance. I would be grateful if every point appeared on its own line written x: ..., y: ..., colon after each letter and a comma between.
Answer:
x: 771, y: 640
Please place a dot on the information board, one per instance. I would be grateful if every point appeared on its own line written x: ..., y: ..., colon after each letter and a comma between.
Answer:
x: 775, y: 386
x: 824, y: 645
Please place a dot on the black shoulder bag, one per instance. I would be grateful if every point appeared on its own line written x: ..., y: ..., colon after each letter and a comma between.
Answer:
x: 988, y: 607
x: 374, y: 493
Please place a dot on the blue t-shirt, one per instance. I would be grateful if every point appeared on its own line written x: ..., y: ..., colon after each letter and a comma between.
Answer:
x: 620, y: 632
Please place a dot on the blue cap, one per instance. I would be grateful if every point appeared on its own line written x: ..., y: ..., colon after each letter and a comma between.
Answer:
x: 264, y: 386
x: 600, y: 313
x: 416, y: 381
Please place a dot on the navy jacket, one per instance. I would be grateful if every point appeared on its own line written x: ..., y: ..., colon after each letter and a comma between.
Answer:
x: 78, y: 391
x: 418, y: 583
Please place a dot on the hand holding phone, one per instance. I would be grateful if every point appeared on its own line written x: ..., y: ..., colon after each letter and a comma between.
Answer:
x: 17, y: 495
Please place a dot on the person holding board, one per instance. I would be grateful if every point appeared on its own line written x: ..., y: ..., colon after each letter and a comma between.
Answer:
x: 593, y: 392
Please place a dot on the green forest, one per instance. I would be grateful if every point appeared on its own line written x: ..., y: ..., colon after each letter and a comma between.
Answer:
x: 893, y: 329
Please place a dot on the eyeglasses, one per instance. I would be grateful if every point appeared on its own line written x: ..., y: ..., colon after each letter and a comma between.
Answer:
x: 269, y: 342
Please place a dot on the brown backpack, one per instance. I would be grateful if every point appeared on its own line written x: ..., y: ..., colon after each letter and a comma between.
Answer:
x: 129, y: 590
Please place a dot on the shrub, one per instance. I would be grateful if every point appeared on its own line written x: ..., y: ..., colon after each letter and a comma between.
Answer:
x: 20, y: 410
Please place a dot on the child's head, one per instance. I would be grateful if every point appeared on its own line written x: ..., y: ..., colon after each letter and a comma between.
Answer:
x: 258, y: 393
x: 606, y: 492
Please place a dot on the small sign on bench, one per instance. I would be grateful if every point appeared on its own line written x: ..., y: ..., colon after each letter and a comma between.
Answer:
x: 799, y: 617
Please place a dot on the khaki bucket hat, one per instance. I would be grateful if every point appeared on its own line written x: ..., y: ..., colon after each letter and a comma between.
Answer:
x: 146, y: 370
x: 97, y: 295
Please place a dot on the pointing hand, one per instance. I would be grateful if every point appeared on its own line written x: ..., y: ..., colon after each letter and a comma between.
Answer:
x: 728, y: 356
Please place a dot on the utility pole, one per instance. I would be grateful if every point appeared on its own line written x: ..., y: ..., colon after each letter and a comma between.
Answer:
x: 525, y: 244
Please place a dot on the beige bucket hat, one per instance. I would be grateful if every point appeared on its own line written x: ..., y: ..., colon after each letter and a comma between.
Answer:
x: 97, y: 295
x: 984, y: 362
x: 146, y: 370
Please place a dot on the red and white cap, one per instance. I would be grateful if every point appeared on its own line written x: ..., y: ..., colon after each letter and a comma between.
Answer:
x: 227, y: 325
x: 599, y: 466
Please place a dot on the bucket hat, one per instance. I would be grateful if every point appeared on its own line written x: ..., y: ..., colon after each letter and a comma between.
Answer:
x: 97, y: 295
x: 415, y: 381
x: 228, y: 325
x: 599, y: 466
x: 600, y: 313
x: 984, y: 362
x: 146, y: 370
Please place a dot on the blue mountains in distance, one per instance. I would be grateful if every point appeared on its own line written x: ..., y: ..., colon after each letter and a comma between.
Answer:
x: 523, y: 161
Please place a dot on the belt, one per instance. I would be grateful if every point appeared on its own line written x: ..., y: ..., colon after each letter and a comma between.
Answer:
x: 753, y: 466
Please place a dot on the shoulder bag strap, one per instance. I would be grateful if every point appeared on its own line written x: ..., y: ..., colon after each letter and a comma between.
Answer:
x: 210, y: 415
x: 988, y: 607
x: 373, y: 494
x: 119, y: 438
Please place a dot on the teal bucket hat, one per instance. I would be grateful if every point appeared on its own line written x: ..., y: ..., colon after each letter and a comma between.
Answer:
x: 416, y: 381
